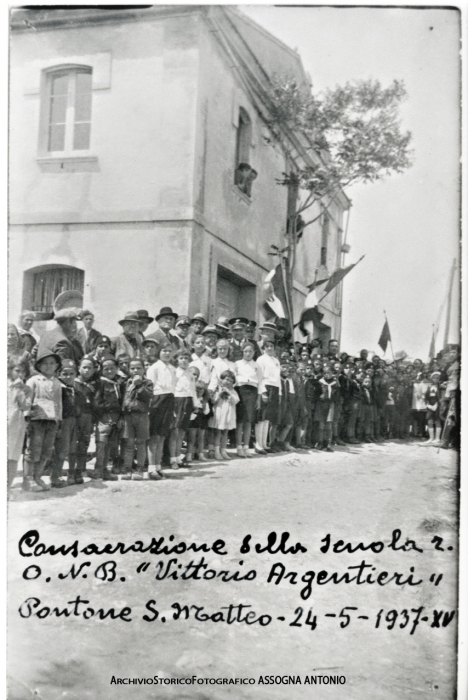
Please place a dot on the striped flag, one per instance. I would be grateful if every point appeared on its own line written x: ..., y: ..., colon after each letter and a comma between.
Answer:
x: 274, y: 303
x: 310, y: 315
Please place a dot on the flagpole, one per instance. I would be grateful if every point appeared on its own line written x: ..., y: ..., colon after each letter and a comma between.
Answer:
x: 391, y: 344
x: 449, y: 304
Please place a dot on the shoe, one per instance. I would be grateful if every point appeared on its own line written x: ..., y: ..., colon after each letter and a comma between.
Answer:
x: 127, y: 476
x: 202, y: 457
x: 340, y: 442
x: 78, y: 478
x: 30, y: 485
x: 71, y: 480
x: 328, y: 449
x: 59, y: 484
x: 259, y: 450
x: 225, y: 455
x: 95, y: 474
x: 155, y: 476
x: 288, y: 447
x: 138, y: 475
x: 246, y: 451
x: 240, y: 452
x: 42, y: 484
x: 109, y: 476
x: 174, y: 463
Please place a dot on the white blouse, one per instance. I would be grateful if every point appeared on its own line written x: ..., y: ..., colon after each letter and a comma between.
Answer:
x: 204, y: 364
x: 219, y: 365
x: 270, y: 371
x: 185, y: 386
x: 247, y: 373
x: 163, y: 377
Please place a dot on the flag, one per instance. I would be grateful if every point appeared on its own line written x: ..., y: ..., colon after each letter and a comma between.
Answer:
x: 274, y: 296
x: 432, y: 348
x: 385, y: 336
x: 310, y: 315
x: 317, y: 283
x: 338, y: 275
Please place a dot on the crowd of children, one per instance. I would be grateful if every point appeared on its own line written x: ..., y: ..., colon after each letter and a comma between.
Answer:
x: 188, y: 391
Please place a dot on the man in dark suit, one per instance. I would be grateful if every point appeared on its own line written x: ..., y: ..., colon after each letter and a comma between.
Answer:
x: 62, y: 339
x: 238, y: 328
x: 166, y: 320
x: 87, y: 336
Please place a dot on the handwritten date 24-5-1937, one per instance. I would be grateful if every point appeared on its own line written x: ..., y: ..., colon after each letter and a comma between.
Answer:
x: 241, y: 613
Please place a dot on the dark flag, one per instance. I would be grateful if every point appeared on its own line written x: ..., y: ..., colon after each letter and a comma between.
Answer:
x: 338, y: 275
x: 385, y: 336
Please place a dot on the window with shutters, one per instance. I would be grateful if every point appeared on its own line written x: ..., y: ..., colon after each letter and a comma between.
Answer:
x: 42, y: 285
x: 67, y: 102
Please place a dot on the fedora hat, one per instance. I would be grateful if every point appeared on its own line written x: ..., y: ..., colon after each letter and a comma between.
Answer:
x: 130, y: 316
x: 70, y: 298
x: 211, y: 329
x: 143, y: 316
x: 166, y: 311
x: 268, y: 326
x: 223, y: 323
x: 199, y: 317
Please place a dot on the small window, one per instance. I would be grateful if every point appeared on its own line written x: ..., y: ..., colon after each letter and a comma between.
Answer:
x: 325, y: 234
x: 48, y: 283
x: 68, y: 110
x: 244, y: 174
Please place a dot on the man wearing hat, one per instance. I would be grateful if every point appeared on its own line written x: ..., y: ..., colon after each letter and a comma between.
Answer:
x: 145, y: 320
x: 197, y: 324
x: 211, y: 335
x: 87, y: 336
x: 62, y: 339
x: 180, y: 333
x: 222, y: 326
x: 249, y: 335
x: 236, y: 343
x: 25, y: 330
x: 166, y: 320
x: 129, y: 341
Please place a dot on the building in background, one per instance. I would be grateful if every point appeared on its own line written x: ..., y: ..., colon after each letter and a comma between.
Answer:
x: 141, y: 172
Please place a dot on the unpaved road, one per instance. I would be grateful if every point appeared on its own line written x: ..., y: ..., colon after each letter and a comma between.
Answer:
x: 360, y: 494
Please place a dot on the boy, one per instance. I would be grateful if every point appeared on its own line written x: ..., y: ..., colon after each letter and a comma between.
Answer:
x: 65, y: 441
x: 136, y: 403
x: 44, y: 417
x: 107, y: 401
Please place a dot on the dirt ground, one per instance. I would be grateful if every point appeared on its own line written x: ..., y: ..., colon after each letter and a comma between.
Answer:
x: 359, y: 494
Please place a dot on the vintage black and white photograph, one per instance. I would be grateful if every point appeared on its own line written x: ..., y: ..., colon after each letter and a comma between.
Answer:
x: 233, y: 352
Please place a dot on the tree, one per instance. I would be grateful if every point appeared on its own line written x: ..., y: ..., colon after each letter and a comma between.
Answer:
x: 351, y: 134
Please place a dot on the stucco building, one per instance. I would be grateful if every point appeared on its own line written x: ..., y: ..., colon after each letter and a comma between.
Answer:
x: 127, y: 130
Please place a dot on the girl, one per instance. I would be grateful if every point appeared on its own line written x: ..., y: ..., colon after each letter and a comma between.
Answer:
x: 223, y: 420
x: 269, y: 389
x: 185, y: 400
x: 19, y: 401
x: 86, y: 385
x: 136, y: 403
x: 219, y: 365
x: 247, y: 380
x: 433, y: 409
x: 163, y: 375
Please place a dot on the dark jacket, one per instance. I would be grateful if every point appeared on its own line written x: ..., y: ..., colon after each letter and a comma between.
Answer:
x: 84, y: 395
x: 68, y: 401
x: 87, y: 343
x: 108, y: 397
x: 137, y: 397
x: 55, y: 341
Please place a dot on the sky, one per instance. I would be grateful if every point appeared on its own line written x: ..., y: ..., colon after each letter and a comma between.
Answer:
x: 407, y: 225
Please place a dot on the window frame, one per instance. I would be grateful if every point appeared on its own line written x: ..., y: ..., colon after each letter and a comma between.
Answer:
x: 71, y: 70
